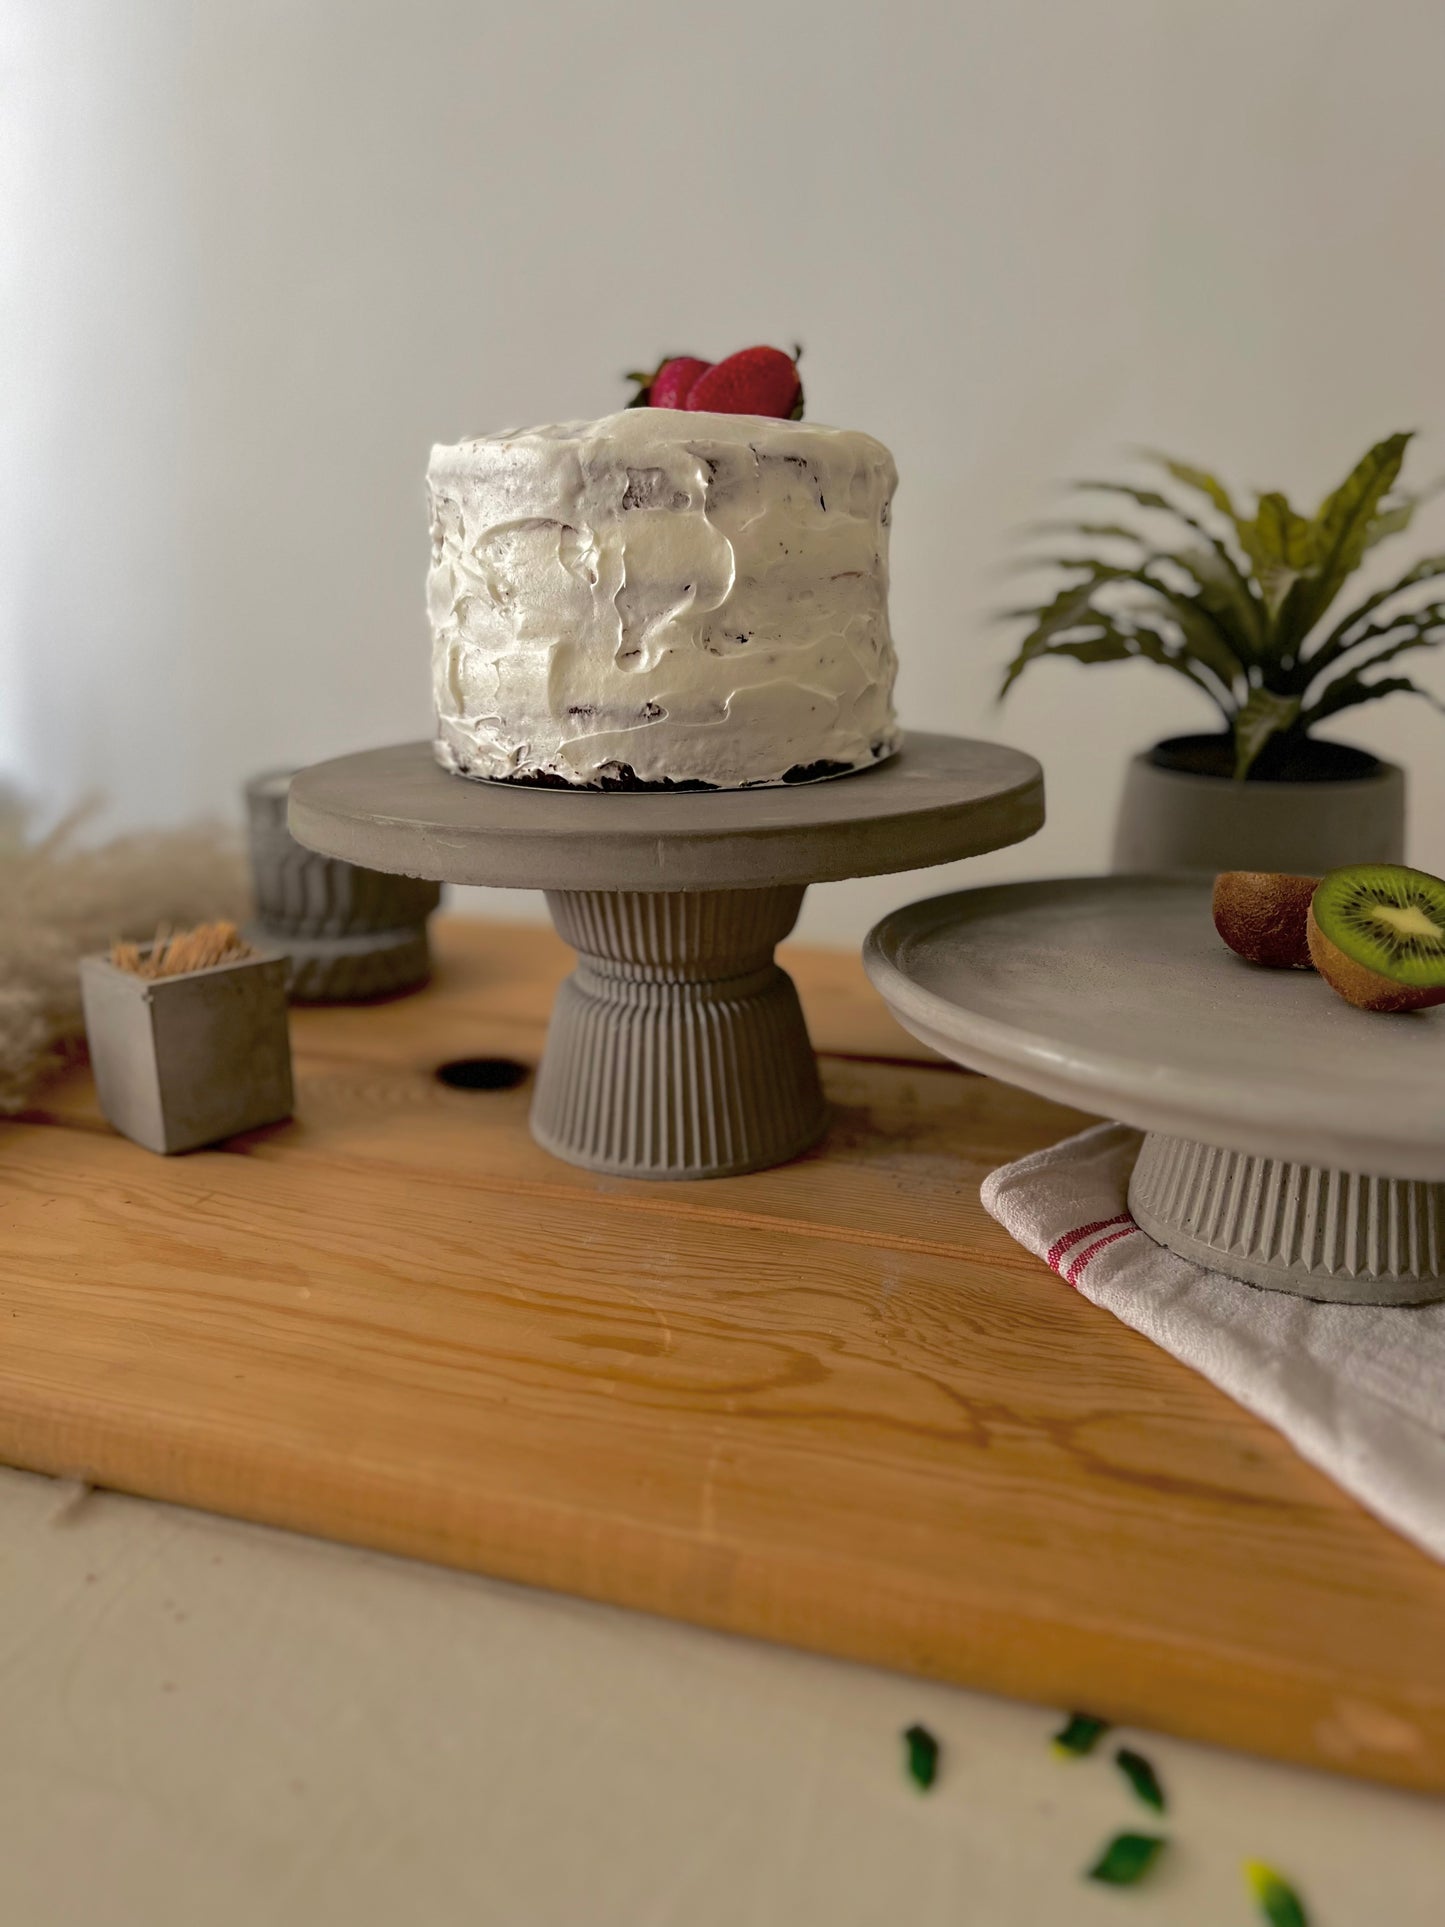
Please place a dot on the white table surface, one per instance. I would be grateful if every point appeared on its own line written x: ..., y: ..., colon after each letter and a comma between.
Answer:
x: 212, y: 1725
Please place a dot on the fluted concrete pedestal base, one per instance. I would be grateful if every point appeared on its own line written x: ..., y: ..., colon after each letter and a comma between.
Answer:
x: 677, y: 1047
x: 347, y: 932
x: 1334, y: 1235
x: 351, y: 969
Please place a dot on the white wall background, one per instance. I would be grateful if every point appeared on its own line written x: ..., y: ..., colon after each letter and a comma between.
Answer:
x: 258, y: 256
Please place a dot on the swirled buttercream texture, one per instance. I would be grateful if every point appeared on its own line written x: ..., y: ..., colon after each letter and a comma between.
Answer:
x: 662, y: 598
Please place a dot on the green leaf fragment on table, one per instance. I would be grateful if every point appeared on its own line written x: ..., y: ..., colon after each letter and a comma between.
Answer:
x: 1142, y: 1777
x: 1127, y: 1858
x: 1278, y: 1901
x: 922, y: 1756
x: 1080, y: 1736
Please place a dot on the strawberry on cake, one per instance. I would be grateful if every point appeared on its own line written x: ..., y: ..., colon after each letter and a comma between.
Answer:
x: 691, y: 594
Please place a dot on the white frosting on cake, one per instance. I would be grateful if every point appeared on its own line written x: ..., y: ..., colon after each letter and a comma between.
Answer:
x: 662, y: 597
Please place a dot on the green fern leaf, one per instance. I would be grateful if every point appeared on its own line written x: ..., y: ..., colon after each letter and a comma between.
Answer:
x: 1198, y: 479
x: 1210, y: 638
x: 1349, y: 692
x: 1226, y: 600
x: 1248, y: 608
x: 1265, y: 714
x: 1414, y: 638
x: 1225, y: 593
x: 1397, y: 515
x: 1110, y: 646
x: 1215, y: 649
x: 1280, y: 545
x: 1340, y: 640
x: 1146, y: 498
x: 1422, y: 629
x: 1148, y: 644
x: 1094, y: 637
x: 1393, y: 519
x: 1053, y: 619
x: 1342, y: 525
x: 1104, y: 531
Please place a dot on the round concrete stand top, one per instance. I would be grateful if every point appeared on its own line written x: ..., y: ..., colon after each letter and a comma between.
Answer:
x: 1116, y: 994
x: 939, y: 798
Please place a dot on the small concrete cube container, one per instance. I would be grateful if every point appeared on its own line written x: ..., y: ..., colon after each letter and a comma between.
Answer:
x: 186, y: 1060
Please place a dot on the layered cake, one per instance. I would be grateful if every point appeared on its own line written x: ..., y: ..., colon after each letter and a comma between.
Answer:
x: 662, y: 599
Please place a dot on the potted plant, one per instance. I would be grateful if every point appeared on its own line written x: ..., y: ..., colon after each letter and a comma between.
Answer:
x: 188, y: 1037
x: 1244, y: 607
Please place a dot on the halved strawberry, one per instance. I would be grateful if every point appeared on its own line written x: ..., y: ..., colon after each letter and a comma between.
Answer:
x: 755, y: 381
x: 669, y: 385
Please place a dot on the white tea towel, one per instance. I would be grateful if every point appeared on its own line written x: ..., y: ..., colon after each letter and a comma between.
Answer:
x: 1358, y: 1390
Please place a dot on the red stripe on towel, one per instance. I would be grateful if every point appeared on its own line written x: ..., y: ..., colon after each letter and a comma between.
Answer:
x: 1092, y: 1251
x: 1054, y: 1255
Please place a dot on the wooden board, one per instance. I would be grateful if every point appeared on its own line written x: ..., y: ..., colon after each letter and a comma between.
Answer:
x: 830, y: 1404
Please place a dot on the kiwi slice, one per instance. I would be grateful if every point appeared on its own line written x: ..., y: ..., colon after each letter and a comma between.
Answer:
x: 1377, y: 935
x: 1262, y: 916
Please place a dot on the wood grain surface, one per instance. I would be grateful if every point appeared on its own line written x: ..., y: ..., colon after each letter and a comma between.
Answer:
x: 830, y: 1404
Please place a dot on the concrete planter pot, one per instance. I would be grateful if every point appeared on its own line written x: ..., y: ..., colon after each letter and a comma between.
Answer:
x: 1334, y: 805
x: 349, y: 932
x: 187, y: 1060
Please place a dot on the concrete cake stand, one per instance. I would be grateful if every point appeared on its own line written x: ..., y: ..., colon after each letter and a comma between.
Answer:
x: 677, y: 1048
x: 1292, y: 1141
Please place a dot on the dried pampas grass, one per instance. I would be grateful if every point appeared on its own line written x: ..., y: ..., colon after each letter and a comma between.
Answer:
x: 61, y: 899
x: 175, y: 953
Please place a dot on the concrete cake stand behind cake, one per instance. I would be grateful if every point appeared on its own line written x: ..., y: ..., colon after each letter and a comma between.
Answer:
x: 677, y: 1048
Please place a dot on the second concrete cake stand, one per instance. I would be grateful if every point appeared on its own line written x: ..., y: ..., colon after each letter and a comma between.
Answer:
x: 677, y: 1048
x: 1289, y: 1140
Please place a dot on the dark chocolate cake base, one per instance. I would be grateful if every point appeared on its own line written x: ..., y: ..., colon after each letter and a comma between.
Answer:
x: 622, y: 776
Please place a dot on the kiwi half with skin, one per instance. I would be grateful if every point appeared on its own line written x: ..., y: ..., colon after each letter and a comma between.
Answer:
x: 1377, y: 936
x: 1263, y: 916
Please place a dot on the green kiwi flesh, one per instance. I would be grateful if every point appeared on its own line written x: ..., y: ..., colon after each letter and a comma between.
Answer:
x: 1262, y: 915
x: 1377, y: 934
